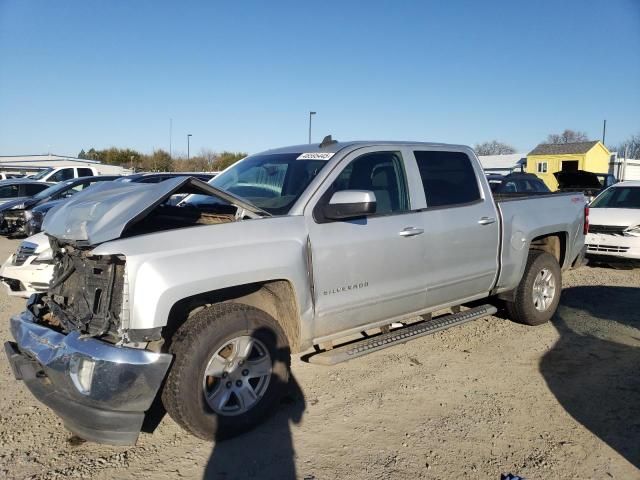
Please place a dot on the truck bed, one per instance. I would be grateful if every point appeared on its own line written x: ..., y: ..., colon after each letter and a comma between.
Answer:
x: 527, y: 216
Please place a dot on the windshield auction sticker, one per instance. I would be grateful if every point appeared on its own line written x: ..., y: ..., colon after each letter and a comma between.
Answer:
x: 315, y: 156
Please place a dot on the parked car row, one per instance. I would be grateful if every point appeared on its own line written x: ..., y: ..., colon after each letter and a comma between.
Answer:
x: 614, y: 232
x: 29, y: 270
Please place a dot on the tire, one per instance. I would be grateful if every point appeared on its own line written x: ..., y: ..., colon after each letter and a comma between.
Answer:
x: 189, y: 396
x: 527, y: 306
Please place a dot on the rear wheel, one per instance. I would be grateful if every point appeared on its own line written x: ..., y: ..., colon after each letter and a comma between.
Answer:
x: 538, y: 294
x: 231, y: 368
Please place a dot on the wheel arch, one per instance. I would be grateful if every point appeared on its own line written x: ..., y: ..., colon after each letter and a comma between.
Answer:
x: 275, y: 297
x: 553, y: 243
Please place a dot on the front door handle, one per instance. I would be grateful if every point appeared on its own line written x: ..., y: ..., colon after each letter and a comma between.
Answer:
x: 486, y: 221
x: 411, y: 232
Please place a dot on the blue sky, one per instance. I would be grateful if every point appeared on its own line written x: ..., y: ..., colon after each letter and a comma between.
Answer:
x: 242, y: 75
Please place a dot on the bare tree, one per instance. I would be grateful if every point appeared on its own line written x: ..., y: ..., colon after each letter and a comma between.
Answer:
x: 209, y: 157
x: 494, y: 147
x: 630, y: 147
x: 568, y: 136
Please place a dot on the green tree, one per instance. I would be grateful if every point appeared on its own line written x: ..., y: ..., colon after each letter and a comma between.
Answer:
x: 82, y: 154
x: 226, y: 159
x: 92, y: 154
x: 158, y: 161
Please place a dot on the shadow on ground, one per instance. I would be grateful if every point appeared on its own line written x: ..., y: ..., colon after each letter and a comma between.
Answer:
x: 263, y: 453
x: 594, y: 369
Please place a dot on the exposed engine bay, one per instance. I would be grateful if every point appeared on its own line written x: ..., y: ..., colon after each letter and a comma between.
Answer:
x: 13, y: 222
x: 87, y: 291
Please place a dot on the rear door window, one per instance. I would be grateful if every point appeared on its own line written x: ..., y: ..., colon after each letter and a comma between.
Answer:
x: 85, y: 172
x: 448, y: 178
x: 62, y: 175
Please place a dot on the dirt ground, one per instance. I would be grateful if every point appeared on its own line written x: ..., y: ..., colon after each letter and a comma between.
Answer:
x: 559, y: 401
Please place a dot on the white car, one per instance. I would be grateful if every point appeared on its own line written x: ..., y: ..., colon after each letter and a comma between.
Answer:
x: 30, y: 269
x: 614, y: 218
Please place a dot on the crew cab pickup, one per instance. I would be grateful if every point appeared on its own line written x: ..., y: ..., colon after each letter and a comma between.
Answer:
x: 68, y: 172
x: 200, y: 305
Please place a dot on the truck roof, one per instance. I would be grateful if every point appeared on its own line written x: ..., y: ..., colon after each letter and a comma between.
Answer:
x: 336, y: 146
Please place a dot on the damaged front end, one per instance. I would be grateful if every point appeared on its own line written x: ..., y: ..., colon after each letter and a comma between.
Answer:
x: 71, y: 353
x: 72, y: 345
x: 14, y: 222
x: 85, y: 294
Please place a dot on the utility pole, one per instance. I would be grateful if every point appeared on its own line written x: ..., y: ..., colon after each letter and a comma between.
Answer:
x: 170, y: 135
x: 188, y: 139
x: 310, y: 115
x: 604, y: 130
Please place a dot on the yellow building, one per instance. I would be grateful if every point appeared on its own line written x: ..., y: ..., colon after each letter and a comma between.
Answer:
x: 546, y: 159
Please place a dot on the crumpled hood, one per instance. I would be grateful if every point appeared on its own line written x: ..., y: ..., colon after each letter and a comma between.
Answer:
x: 102, y: 212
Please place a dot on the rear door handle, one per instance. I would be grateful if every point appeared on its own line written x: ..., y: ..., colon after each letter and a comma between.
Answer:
x: 486, y: 221
x: 411, y: 232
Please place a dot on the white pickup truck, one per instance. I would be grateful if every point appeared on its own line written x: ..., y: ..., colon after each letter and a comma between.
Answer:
x: 69, y: 172
x: 201, y: 305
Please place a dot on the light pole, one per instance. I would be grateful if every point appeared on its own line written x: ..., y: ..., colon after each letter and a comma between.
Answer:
x: 310, y: 115
x: 188, y: 139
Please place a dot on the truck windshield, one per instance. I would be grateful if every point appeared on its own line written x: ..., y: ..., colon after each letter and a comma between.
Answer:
x: 41, y: 174
x: 618, y: 197
x: 272, y: 182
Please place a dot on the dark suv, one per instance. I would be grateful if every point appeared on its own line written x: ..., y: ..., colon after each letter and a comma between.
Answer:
x: 517, y: 183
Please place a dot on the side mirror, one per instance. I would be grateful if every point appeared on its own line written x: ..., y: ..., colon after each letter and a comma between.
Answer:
x: 350, y: 204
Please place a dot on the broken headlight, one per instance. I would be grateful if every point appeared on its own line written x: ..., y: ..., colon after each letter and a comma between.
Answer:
x: 632, y: 231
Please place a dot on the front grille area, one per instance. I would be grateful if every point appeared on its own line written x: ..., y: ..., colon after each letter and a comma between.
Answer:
x: 606, y: 249
x: 15, y: 218
x: 25, y: 251
x: 85, y: 293
x: 607, y: 229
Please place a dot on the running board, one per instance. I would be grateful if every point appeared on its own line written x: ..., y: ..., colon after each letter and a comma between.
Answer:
x: 399, y: 336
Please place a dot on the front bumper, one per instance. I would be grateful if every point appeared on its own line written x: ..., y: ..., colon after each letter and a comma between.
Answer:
x: 26, y: 279
x: 618, y: 246
x: 109, y: 404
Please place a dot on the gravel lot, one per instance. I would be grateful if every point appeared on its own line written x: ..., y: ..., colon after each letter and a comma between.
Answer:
x: 559, y: 401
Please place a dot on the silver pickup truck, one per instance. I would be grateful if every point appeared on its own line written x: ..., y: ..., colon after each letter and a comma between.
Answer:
x: 338, y: 249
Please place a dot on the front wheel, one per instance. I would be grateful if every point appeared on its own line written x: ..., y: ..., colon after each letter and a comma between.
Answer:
x: 230, y: 370
x: 538, y: 294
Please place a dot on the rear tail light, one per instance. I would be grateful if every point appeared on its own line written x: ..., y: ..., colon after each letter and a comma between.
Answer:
x: 586, y: 219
